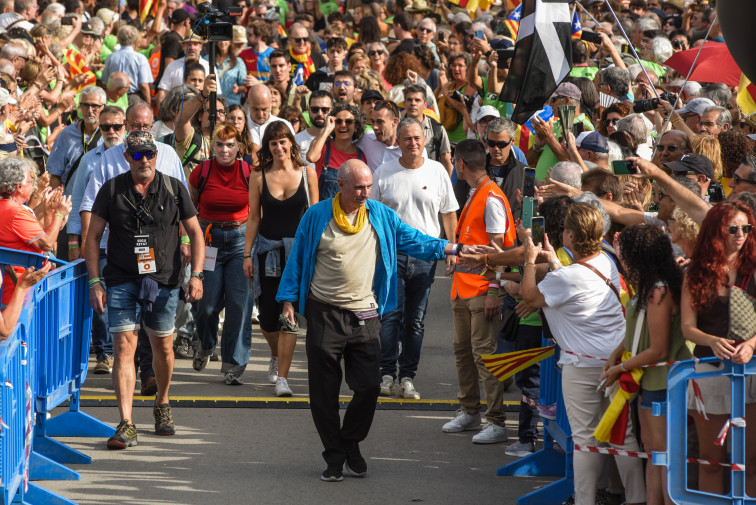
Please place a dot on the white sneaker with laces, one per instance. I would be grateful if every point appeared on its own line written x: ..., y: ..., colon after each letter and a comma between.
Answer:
x: 407, y: 389
x: 491, y: 434
x: 520, y: 449
x: 462, y: 422
x: 387, y: 386
x: 282, y: 387
x: 273, y: 370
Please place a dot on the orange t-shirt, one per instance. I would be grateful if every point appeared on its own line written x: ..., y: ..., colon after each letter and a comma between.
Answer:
x: 19, y: 228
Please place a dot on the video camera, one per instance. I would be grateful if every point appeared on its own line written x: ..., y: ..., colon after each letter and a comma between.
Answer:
x: 212, y: 27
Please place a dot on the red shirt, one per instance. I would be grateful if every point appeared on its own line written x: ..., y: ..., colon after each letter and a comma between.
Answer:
x: 225, y: 197
x: 18, y: 229
x: 336, y: 158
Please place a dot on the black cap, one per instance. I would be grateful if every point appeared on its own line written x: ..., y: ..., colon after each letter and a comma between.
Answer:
x: 88, y: 29
x: 370, y: 94
x: 179, y: 16
x: 691, y: 164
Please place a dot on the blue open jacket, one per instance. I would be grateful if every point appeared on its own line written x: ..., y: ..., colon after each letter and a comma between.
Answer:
x: 393, y: 236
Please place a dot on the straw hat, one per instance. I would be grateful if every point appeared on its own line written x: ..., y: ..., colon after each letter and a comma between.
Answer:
x: 240, y: 35
x: 419, y: 6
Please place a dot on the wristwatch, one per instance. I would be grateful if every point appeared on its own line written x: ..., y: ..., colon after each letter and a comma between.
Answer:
x: 199, y: 275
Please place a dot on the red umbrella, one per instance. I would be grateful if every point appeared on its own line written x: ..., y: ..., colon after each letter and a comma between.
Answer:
x: 714, y: 65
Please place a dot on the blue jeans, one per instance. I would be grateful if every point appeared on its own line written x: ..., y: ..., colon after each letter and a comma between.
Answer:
x: 405, y: 325
x: 102, y: 340
x: 529, y: 382
x: 328, y: 183
x: 226, y: 287
x: 125, y: 312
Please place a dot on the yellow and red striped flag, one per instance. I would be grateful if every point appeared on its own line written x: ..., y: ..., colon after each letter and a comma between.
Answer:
x: 147, y: 7
x: 504, y: 366
x: 513, y: 21
x: 746, y: 95
x: 472, y: 5
x: 76, y: 66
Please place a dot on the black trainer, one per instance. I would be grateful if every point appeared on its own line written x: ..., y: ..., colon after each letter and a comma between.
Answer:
x: 355, y: 463
x: 332, y: 474
x: 125, y: 436
x: 163, y: 420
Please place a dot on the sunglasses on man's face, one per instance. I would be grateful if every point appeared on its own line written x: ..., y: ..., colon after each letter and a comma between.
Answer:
x: 300, y: 40
x: 114, y: 127
x: 320, y: 110
x: 736, y: 179
x: 501, y: 144
x: 150, y: 155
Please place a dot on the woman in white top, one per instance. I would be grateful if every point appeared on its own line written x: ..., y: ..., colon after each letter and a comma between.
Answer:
x: 585, y: 316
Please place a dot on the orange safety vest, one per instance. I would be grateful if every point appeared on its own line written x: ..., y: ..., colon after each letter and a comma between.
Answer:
x: 471, y: 230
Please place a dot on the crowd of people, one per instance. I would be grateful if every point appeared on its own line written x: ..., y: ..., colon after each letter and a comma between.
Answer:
x: 187, y: 189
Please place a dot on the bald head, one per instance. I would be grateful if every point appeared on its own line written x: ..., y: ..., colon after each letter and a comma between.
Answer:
x: 355, y: 182
x: 259, y: 103
x: 118, y: 80
x: 353, y: 168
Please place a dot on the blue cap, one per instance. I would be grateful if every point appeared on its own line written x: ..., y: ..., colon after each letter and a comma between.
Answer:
x: 592, y: 141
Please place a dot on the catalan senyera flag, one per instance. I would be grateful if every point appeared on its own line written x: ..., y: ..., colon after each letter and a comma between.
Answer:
x: 746, y: 95
x: 513, y: 21
x: 76, y: 66
x: 147, y: 7
x: 472, y: 5
x: 506, y: 365
x: 577, y: 27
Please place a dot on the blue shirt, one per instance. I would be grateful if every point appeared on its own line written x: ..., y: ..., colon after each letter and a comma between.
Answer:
x: 65, y: 151
x: 113, y: 162
x: 228, y: 77
x: 130, y: 62
x: 393, y: 236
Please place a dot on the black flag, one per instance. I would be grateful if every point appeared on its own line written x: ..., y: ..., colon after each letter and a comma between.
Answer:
x: 542, y: 58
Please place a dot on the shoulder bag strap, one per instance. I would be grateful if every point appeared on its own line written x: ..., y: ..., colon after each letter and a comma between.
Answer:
x: 307, y: 188
x: 606, y: 281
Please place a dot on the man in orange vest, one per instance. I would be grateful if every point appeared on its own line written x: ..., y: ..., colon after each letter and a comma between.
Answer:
x: 486, y: 217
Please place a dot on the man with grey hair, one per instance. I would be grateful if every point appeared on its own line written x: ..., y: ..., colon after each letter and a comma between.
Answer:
x: 24, y: 12
x: 436, y: 139
x: 714, y: 120
x: 635, y: 125
x: 615, y: 81
x: 568, y: 173
x: 16, y: 54
x: 426, y: 31
x: 419, y: 190
x: 132, y: 63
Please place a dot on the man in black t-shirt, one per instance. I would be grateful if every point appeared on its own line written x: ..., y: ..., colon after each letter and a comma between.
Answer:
x: 170, y: 43
x: 144, y: 209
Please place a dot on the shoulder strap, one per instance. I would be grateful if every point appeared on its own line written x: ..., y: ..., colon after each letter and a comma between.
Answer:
x: 204, y: 169
x: 606, y: 281
x: 94, y: 140
x: 245, y: 171
x: 306, y: 186
x: 172, y: 187
x: 638, y: 327
x: 437, y: 136
x: 361, y: 155
x: 327, y: 157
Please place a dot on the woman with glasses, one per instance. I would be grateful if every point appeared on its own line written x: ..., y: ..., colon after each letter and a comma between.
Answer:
x: 335, y: 145
x: 453, y: 95
x: 237, y: 118
x: 610, y: 116
x: 724, y: 259
x: 280, y: 191
x: 294, y: 116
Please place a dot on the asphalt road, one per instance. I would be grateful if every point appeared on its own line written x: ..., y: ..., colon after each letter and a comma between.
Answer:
x: 242, y: 445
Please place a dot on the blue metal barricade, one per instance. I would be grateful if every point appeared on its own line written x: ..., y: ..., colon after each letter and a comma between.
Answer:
x: 675, y: 457
x: 549, y: 461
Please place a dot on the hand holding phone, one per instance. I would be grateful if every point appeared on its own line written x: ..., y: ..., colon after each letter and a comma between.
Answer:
x: 624, y: 167
x: 537, y: 226
x: 601, y: 384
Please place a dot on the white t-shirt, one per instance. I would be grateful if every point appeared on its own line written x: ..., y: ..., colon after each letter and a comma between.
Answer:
x: 304, y: 139
x: 417, y: 195
x: 582, y: 311
x: 377, y: 153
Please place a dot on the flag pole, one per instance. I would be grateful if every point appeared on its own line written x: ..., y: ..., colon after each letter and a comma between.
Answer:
x: 583, y: 9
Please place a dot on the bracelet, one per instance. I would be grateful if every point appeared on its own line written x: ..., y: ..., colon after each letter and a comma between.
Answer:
x: 247, y: 256
x: 675, y: 121
x: 552, y: 264
x: 454, y: 249
x: 185, y: 239
x: 73, y: 246
x: 538, y: 149
x: 498, y: 276
x: 94, y: 281
x: 529, y: 263
x: 485, y: 257
x: 60, y: 216
x: 504, y: 282
x: 493, y: 293
x: 73, y: 242
x: 203, y: 96
x: 622, y: 367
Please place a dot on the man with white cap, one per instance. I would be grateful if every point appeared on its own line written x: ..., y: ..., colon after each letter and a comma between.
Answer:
x: 482, y: 117
x: 688, y: 118
x: 174, y: 72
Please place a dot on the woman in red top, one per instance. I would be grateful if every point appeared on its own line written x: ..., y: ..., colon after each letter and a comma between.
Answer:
x: 335, y: 145
x: 219, y: 188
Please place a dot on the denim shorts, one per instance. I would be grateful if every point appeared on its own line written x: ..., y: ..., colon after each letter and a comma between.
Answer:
x: 648, y: 398
x: 124, y: 310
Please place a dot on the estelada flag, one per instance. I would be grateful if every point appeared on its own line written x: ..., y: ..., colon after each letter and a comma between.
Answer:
x: 76, y: 66
x: 746, y: 95
x: 577, y: 27
x: 147, y: 7
x: 506, y: 365
x: 513, y: 21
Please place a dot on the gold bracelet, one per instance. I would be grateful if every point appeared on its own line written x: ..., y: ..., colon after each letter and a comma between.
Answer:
x: 529, y: 263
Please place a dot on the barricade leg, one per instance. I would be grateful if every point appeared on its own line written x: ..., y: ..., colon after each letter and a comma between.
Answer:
x: 43, y: 468
x: 37, y: 495
x: 59, y: 452
x: 76, y: 423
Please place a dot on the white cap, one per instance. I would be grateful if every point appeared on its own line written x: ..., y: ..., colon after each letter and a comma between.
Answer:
x: 6, y: 98
x: 697, y: 106
x: 486, y: 110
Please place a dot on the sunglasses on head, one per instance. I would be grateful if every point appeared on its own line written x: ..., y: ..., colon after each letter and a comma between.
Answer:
x: 387, y: 104
x: 150, y: 155
x: 501, y: 144
x: 108, y: 127
x: 747, y: 228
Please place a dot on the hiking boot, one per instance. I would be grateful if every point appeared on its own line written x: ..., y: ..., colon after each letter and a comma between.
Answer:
x: 407, y: 389
x: 387, y: 386
x: 104, y: 364
x: 520, y: 449
x: 149, y: 386
x: 332, y: 474
x: 462, y: 422
x: 200, y: 360
x: 125, y: 436
x: 355, y: 464
x: 163, y: 420
x: 273, y: 370
x: 491, y: 434
x: 181, y: 347
x: 282, y: 387
x: 233, y: 379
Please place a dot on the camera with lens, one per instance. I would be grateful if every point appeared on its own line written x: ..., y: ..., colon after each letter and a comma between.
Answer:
x: 716, y: 192
x: 641, y: 106
x: 214, y: 26
x: 144, y: 215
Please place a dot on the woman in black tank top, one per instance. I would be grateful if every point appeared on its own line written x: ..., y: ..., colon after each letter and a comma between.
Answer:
x: 281, y: 189
x: 725, y: 256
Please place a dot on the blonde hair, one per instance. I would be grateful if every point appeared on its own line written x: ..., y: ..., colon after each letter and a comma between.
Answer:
x: 586, y: 224
x: 688, y: 228
x: 708, y: 145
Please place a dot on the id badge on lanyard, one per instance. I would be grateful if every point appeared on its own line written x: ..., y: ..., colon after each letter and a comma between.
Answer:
x: 145, y: 255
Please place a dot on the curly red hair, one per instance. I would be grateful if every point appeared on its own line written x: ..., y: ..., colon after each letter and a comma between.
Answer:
x: 708, y: 266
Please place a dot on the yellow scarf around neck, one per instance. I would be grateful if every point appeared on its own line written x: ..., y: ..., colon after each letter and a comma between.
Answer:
x: 341, y: 218
x: 305, y: 59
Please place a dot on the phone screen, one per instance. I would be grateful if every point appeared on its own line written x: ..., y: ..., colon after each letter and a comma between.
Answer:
x: 537, y: 225
x: 479, y: 34
x: 528, y: 182
x: 624, y: 167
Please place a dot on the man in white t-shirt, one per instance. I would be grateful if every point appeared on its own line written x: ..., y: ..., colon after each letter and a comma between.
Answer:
x: 380, y: 145
x: 418, y: 189
x: 320, y: 105
x: 173, y: 75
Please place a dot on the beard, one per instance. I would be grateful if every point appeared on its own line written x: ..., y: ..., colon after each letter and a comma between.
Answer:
x: 112, y: 143
x: 318, y: 122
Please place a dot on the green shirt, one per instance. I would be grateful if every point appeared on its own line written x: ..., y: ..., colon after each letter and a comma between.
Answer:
x: 328, y: 7
x: 548, y: 159
x: 492, y: 98
x: 283, y: 8
x: 589, y: 72
x: 122, y: 102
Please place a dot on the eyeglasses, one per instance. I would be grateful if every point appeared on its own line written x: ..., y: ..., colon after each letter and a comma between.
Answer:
x: 343, y: 84
x: 108, y: 127
x: 150, y: 155
x: 501, y: 144
x: 347, y: 122
x: 611, y: 122
x: 424, y: 29
x: 736, y: 179
x: 373, y: 53
x: 660, y: 194
x: 387, y: 104
x: 746, y: 228
x: 320, y: 110
x: 670, y: 149
x: 299, y: 40
x: 93, y: 106
x: 294, y: 120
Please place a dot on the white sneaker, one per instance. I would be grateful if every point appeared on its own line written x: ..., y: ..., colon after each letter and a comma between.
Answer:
x: 462, y: 422
x: 491, y: 434
x: 387, y: 386
x: 255, y: 315
x: 407, y: 389
x: 273, y: 370
x: 282, y: 387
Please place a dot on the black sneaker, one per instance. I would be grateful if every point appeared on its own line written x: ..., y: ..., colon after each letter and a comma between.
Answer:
x: 125, y: 436
x: 163, y: 420
x: 355, y: 463
x: 200, y: 360
x: 181, y: 347
x: 332, y: 474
